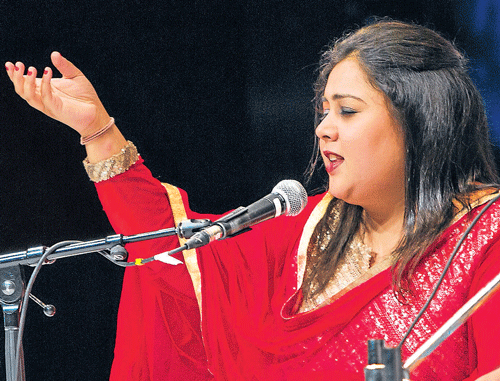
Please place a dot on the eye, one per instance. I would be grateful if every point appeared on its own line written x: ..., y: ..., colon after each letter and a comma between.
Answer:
x: 347, y: 111
x: 323, y: 113
x: 323, y: 110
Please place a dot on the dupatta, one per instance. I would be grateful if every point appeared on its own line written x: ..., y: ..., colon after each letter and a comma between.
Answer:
x: 246, y: 289
x: 252, y: 331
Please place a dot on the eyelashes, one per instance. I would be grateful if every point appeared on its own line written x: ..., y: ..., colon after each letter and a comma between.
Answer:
x: 347, y: 111
x: 343, y: 111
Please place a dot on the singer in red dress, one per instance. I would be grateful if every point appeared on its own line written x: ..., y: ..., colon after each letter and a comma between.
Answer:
x: 403, y: 137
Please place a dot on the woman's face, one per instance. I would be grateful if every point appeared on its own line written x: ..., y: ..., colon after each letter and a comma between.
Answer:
x: 361, y: 142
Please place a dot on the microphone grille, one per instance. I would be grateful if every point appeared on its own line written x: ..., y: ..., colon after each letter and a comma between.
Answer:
x: 294, y: 194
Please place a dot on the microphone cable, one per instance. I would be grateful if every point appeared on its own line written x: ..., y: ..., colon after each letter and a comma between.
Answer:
x: 445, y: 270
x: 31, y: 282
x: 26, y: 296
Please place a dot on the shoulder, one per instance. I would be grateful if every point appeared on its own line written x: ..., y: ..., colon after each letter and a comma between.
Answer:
x: 469, y: 241
x: 480, y: 221
x: 475, y: 201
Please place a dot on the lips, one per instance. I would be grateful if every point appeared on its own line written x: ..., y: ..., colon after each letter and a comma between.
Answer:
x: 332, y: 161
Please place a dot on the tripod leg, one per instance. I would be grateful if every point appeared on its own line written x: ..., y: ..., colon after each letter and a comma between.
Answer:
x: 11, y: 292
x: 11, y: 319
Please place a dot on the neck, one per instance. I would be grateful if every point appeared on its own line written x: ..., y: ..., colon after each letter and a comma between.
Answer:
x: 383, y: 229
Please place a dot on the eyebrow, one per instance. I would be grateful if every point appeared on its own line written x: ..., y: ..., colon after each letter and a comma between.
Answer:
x: 342, y: 96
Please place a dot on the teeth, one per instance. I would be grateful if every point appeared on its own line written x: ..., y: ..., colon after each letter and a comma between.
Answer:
x: 332, y: 158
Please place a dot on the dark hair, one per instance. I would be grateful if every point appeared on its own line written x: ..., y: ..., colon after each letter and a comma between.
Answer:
x: 446, y: 134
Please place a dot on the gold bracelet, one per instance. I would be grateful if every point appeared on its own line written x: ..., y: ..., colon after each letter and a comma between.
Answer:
x: 87, y: 139
x: 115, y: 165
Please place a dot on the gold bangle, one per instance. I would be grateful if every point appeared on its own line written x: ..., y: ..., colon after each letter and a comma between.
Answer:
x: 115, y: 165
x: 87, y: 139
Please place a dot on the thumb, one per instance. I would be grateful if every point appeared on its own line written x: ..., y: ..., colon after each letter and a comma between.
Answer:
x: 65, y: 67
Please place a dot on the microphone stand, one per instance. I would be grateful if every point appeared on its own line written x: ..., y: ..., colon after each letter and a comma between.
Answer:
x: 12, y: 285
x: 384, y: 363
x: 12, y: 291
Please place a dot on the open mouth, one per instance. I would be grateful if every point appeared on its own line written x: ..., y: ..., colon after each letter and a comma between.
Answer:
x: 333, y: 161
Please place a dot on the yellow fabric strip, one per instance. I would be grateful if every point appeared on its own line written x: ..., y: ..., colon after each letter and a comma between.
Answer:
x: 476, y: 199
x: 312, y: 221
x: 190, y: 258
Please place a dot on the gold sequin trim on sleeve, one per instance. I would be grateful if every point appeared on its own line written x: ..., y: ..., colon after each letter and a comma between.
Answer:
x: 115, y: 165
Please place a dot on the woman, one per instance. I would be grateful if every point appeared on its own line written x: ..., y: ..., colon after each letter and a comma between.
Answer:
x: 403, y: 137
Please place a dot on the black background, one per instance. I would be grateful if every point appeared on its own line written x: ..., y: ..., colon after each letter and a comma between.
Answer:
x: 215, y: 94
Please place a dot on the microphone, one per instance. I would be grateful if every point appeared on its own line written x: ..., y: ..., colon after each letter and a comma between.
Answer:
x: 288, y: 197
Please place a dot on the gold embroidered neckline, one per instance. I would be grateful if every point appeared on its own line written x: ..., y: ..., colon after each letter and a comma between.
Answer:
x: 355, y: 263
x: 355, y: 269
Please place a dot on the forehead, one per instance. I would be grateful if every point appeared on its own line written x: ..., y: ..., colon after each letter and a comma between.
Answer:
x: 348, y: 78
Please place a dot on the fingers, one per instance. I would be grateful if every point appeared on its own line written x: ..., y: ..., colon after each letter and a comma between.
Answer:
x: 37, y: 92
x: 16, y: 75
x: 50, y: 95
x: 9, y: 66
x: 65, y: 67
x: 29, y: 90
x: 23, y: 84
x: 46, y: 90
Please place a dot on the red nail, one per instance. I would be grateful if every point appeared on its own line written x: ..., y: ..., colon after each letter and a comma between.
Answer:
x: 29, y: 72
x: 45, y: 71
x: 6, y: 68
x: 15, y: 67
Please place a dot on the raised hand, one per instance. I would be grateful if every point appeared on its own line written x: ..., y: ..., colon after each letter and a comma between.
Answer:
x: 71, y: 99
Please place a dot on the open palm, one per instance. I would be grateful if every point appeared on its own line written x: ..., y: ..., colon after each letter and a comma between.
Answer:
x: 71, y: 99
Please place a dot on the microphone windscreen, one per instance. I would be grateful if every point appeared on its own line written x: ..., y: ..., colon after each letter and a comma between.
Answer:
x: 294, y: 194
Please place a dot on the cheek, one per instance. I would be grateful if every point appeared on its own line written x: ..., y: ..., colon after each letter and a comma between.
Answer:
x: 376, y: 153
x: 388, y: 160
x: 361, y: 149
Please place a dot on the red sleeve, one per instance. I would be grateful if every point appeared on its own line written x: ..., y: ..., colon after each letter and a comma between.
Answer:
x: 245, y: 280
x: 484, y: 327
x: 158, y: 331
x: 159, y: 335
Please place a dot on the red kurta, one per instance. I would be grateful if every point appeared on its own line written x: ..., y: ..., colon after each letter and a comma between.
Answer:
x: 247, y: 287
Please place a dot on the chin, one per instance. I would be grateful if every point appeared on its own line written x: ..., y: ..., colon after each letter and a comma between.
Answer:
x: 337, y: 192
x: 343, y: 194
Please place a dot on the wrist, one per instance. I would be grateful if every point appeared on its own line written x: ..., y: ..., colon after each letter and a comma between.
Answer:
x: 84, y: 140
x: 93, y: 122
x: 106, y: 144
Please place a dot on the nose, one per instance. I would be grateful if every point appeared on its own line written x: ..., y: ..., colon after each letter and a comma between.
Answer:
x: 327, y: 130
